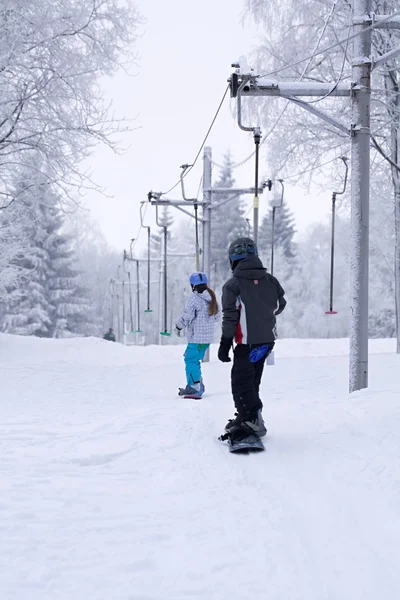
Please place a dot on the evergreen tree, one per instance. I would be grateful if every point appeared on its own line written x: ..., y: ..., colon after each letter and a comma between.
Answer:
x: 65, y: 292
x: 46, y: 301
x: 228, y: 223
x: 284, y: 233
x: 26, y: 309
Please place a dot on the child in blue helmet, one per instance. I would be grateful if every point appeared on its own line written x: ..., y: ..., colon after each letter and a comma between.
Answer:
x: 199, y: 318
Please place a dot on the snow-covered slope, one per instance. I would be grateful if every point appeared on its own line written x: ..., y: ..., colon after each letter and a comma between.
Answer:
x: 112, y: 488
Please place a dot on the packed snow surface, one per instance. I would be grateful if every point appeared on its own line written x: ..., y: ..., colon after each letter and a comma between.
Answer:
x: 113, y: 488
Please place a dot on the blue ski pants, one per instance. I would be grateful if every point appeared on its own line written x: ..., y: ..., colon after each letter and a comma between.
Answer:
x: 193, y: 356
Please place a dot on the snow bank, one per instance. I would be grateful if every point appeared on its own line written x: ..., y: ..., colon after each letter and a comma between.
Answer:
x: 98, y: 352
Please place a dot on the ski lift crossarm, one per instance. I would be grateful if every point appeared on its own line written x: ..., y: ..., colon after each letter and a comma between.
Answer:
x: 272, y: 87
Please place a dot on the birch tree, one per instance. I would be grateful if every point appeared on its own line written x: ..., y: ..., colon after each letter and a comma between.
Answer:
x: 300, y: 141
x: 13, y: 245
x: 52, y: 56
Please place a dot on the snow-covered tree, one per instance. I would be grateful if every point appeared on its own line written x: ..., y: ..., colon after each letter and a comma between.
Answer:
x: 26, y: 309
x: 52, y: 57
x: 68, y: 298
x: 46, y: 300
x: 298, y: 140
x: 13, y: 245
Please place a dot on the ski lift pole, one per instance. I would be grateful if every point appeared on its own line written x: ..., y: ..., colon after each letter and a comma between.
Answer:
x: 331, y: 311
x: 165, y: 228
x: 123, y: 306
x: 130, y: 288
x: 197, y: 236
x: 130, y: 300
x: 274, y: 207
x: 207, y: 219
x: 148, y: 270
x: 331, y: 278
x: 138, y: 296
x: 273, y: 240
x: 111, y: 310
x: 118, y: 304
x: 165, y: 332
x: 171, y: 317
x: 148, y: 309
x: 137, y: 291
x: 256, y: 202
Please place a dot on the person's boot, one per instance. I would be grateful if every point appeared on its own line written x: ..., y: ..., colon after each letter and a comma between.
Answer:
x: 191, y: 392
x: 255, y: 424
x: 202, y: 386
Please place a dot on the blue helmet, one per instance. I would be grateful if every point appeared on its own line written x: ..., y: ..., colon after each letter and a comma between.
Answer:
x: 198, y: 279
x: 242, y: 248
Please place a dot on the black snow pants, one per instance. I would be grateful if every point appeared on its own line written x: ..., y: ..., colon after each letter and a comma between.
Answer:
x: 246, y: 378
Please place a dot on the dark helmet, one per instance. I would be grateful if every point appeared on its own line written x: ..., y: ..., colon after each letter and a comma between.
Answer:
x: 242, y: 248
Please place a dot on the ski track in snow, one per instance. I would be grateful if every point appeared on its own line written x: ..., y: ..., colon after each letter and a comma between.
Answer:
x: 113, y: 488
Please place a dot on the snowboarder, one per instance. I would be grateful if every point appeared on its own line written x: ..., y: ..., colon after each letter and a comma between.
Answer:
x: 109, y: 336
x: 251, y: 299
x: 199, y: 318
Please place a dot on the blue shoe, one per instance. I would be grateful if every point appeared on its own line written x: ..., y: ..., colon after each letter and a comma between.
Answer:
x: 190, y: 392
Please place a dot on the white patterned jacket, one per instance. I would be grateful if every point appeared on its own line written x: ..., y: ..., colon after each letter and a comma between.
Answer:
x: 198, y: 323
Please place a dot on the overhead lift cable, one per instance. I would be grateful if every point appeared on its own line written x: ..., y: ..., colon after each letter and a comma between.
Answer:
x: 190, y: 167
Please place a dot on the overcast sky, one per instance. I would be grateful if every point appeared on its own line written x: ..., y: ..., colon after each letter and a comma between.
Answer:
x: 184, y: 59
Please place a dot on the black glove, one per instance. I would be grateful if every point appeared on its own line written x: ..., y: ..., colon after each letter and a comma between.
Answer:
x: 223, y: 351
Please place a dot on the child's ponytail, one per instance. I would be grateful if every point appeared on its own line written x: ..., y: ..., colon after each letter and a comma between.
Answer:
x: 213, y: 306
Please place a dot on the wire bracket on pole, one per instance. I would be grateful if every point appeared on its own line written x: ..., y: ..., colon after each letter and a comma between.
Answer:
x: 257, y: 140
x: 182, y: 176
x: 165, y: 332
x: 197, y: 244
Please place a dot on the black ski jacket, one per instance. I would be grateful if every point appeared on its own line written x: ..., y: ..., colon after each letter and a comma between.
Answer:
x: 250, y: 301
